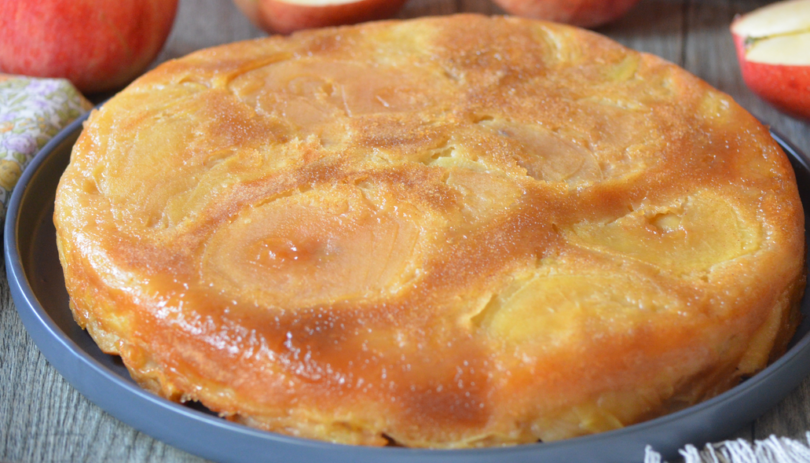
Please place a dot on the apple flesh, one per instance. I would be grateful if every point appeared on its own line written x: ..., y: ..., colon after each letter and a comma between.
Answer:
x: 99, y: 45
x: 773, y: 48
x: 582, y: 13
x: 286, y: 16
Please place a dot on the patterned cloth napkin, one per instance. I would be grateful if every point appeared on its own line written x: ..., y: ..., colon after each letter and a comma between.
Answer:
x: 32, y: 111
x: 771, y: 450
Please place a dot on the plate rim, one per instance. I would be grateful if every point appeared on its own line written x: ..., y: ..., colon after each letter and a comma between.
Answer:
x: 68, y: 358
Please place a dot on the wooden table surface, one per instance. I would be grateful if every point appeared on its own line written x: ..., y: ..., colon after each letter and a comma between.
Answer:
x: 43, y: 419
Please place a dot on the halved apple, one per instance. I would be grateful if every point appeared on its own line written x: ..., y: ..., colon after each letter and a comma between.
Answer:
x: 286, y: 16
x: 773, y: 47
x: 582, y: 13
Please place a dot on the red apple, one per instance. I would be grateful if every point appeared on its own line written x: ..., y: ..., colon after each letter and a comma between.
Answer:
x: 286, y: 16
x: 98, y: 45
x: 773, y: 47
x: 582, y: 13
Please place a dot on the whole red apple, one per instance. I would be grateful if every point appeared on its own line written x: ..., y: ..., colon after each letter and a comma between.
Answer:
x: 582, y: 13
x: 773, y: 48
x: 286, y: 16
x: 98, y: 45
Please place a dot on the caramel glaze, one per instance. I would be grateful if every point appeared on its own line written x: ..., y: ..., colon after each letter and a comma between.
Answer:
x: 452, y: 232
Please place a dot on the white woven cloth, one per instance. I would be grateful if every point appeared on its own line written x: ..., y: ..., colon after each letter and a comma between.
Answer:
x: 771, y: 450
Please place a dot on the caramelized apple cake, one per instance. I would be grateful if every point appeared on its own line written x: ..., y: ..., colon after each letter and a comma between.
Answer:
x: 446, y: 232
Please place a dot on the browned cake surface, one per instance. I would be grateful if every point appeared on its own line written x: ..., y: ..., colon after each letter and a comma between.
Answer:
x: 451, y: 232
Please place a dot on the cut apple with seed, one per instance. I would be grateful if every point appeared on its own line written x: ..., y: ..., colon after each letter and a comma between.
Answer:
x: 286, y: 16
x: 773, y: 47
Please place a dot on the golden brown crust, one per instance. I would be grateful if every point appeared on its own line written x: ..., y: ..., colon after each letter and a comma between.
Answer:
x: 450, y: 232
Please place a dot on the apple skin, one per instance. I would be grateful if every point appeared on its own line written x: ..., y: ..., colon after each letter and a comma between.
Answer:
x: 99, y: 45
x: 250, y: 8
x: 285, y: 17
x: 786, y: 87
x: 582, y: 13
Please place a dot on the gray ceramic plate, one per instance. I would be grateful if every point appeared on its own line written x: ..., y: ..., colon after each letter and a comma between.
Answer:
x: 36, y: 281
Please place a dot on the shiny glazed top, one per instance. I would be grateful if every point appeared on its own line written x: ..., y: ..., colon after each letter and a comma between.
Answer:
x: 448, y: 232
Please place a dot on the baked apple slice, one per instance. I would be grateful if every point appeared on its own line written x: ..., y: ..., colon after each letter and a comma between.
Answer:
x: 773, y: 47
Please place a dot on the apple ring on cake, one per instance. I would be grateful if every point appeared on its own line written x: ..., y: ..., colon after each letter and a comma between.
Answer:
x: 445, y: 232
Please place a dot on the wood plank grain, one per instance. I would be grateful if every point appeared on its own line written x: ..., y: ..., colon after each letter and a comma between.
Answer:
x: 479, y: 6
x: 652, y: 26
x: 418, y: 8
x: 789, y: 418
x: 206, y: 23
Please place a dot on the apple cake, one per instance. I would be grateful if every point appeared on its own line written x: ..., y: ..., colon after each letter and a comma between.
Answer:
x: 445, y: 232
